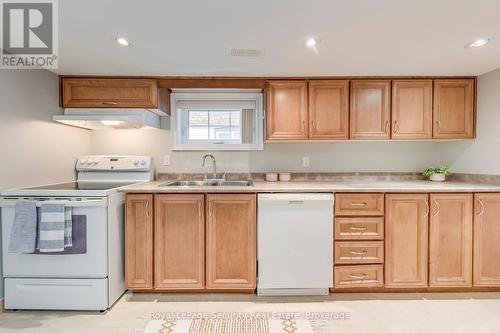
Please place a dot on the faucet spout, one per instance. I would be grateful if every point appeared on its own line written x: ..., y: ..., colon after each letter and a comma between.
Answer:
x: 214, y: 164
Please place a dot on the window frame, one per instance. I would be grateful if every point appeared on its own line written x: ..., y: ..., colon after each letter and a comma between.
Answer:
x: 176, y: 125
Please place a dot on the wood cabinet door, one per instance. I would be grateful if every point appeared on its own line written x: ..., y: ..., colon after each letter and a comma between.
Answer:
x: 231, y: 241
x: 486, y: 240
x: 286, y: 114
x: 450, y: 240
x: 139, y: 241
x: 412, y: 109
x: 454, y: 109
x: 329, y: 109
x: 109, y: 93
x: 179, y: 241
x: 406, y: 238
x: 370, y: 112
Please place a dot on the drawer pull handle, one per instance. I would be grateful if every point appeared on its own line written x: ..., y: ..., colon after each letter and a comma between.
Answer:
x: 295, y: 202
x: 357, y: 228
x: 358, y: 276
x: 359, y: 253
x: 359, y: 204
x: 109, y: 103
x: 147, y: 208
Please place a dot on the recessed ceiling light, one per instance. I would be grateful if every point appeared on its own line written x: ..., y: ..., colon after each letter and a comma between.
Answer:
x: 311, y: 42
x: 122, y: 41
x: 478, y: 43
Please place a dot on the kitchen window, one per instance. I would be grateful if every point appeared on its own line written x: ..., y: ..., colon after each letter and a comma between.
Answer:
x: 217, y: 119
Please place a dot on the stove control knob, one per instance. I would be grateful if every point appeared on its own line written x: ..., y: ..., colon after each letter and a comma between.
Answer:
x: 82, y: 162
x: 143, y: 163
x: 136, y: 162
x: 90, y: 162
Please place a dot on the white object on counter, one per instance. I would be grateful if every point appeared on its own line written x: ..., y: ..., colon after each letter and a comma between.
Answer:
x: 438, y: 177
x: 285, y: 176
x: 295, y: 244
x: 271, y: 177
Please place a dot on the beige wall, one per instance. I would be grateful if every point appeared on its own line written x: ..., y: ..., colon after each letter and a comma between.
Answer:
x: 330, y: 156
x: 34, y: 149
x: 481, y: 155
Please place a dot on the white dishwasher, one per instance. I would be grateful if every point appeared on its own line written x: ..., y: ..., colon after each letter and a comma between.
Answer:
x: 295, y: 243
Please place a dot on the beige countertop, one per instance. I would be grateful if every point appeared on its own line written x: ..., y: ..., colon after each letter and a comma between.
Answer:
x: 320, y: 186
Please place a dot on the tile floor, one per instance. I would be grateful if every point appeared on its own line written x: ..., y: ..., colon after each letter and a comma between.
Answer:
x: 401, y: 313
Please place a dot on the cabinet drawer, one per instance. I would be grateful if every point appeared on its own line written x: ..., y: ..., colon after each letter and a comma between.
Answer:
x: 363, y: 204
x: 359, y: 228
x: 109, y: 93
x: 359, y: 252
x: 359, y: 276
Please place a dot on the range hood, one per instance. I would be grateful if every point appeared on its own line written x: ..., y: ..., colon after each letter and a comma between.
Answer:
x: 108, y: 118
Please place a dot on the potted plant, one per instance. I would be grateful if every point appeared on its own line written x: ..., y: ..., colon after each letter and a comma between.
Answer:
x: 437, y: 174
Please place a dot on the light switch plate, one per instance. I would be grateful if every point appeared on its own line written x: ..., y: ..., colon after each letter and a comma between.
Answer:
x: 166, y: 160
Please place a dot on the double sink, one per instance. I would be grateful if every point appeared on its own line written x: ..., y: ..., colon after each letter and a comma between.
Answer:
x: 209, y: 182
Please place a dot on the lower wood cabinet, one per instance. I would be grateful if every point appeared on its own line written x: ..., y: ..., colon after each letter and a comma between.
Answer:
x: 487, y: 240
x: 179, y: 241
x: 406, y: 240
x: 450, y: 240
x: 231, y: 241
x: 139, y: 241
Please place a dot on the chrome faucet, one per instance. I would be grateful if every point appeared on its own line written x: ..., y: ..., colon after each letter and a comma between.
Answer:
x: 214, y: 164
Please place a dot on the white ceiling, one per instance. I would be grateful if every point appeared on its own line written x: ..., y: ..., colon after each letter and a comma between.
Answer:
x: 358, y: 37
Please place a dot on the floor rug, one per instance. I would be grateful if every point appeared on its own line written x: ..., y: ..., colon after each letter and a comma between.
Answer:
x: 253, y: 325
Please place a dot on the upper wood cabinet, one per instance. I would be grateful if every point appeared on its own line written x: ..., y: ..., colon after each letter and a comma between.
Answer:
x: 454, y: 109
x: 286, y: 112
x: 412, y: 109
x: 370, y: 112
x: 113, y: 93
x: 231, y: 241
x: 406, y: 240
x: 329, y: 109
x: 139, y: 241
x: 450, y: 240
x: 179, y: 243
x: 487, y: 240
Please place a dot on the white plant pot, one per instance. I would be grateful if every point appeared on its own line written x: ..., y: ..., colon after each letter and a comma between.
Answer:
x: 438, y: 177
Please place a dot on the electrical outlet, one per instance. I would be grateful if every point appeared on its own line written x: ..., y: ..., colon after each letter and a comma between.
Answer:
x: 305, y: 161
x: 166, y: 160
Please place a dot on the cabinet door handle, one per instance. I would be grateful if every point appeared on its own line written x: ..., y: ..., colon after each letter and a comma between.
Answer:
x: 427, y: 208
x: 304, y: 126
x: 359, y: 204
x: 438, y: 126
x: 396, y: 127
x: 109, y: 103
x: 313, y: 125
x: 358, y: 253
x: 147, y: 208
x: 481, y: 211
x: 437, y: 208
x: 387, y: 126
x: 357, y: 228
x: 358, y: 276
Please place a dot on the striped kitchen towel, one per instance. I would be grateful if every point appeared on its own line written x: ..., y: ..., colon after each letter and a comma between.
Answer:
x: 51, y: 226
x: 68, y: 227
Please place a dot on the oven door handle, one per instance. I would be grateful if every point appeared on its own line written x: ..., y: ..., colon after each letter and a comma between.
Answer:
x: 83, y: 202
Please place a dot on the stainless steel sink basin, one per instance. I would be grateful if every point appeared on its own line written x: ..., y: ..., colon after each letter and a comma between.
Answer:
x: 209, y: 183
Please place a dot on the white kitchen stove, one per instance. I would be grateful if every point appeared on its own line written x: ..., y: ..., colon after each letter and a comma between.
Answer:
x: 93, y: 277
